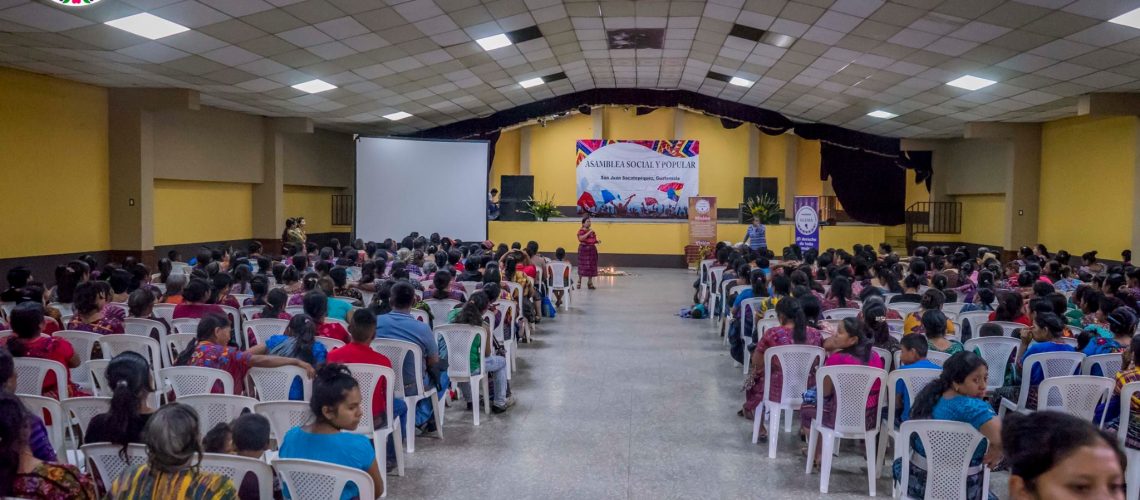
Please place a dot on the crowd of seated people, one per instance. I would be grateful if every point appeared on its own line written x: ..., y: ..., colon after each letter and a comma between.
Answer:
x: 372, y: 288
x: 1048, y: 302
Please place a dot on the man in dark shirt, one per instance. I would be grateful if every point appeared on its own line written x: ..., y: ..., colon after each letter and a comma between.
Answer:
x: 18, y: 277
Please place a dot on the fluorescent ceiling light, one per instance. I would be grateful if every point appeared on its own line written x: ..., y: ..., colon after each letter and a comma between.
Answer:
x: 526, y: 84
x: 494, y: 42
x: 314, y: 86
x: 148, y: 25
x: 399, y: 115
x: 970, y: 82
x: 1130, y: 19
x: 878, y: 113
x: 740, y: 82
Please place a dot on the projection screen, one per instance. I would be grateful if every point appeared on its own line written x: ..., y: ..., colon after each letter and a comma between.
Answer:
x: 426, y: 186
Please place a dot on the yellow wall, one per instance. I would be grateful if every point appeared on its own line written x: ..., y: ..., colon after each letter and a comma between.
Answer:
x: 1086, y: 194
x: 53, y: 155
x: 807, y: 168
x: 983, y: 218
x: 193, y: 211
x: 724, y: 157
x: 624, y: 124
x: 315, y: 205
x: 773, y: 160
x: 506, y: 157
x: 552, y: 157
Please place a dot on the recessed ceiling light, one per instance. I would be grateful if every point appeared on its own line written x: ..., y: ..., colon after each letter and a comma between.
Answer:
x: 1130, y: 19
x: 494, y: 41
x: 314, y: 86
x: 148, y: 25
x: 970, y: 82
x: 399, y: 115
x: 526, y: 84
x: 878, y: 113
x: 740, y: 82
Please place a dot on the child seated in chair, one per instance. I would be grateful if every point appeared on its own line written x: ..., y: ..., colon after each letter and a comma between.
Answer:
x: 251, y: 440
x: 912, y: 354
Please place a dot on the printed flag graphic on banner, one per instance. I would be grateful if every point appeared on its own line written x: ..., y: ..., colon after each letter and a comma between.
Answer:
x: 628, y: 178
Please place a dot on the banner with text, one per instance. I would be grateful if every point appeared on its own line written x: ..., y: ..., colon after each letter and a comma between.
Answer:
x: 702, y: 220
x: 650, y: 179
x: 807, y: 221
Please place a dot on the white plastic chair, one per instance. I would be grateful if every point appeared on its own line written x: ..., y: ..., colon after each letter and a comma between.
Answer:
x: 294, y: 310
x: 107, y: 461
x: 1009, y: 328
x: 122, y: 306
x: 852, y: 384
x: 214, y: 409
x: 953, y: 308
x: 164, y: 311
x: 713, y: 285
x: 796, y: 362
x: 366, y: 297
x: 420, y: 315
x: 510, y: 318
x: 726, y: 306
x: 1132, y: 473
x: 273, y: 384
x: 367, y: 377
x: 903, y: 308
x: 1109, y: 364
x: 914, y: 379
x: 841, y: 313
x: 949, y: 447
x: 312, y: 479
x: 247, y: 313
x: 330, y: 343
x: 937, y: 357
x: 284, y: 415
x: 1077, y: 395
x: 975, y: 318
x: 49, y: 409
x: 80, y: 411
x: 240, y: 297
x: 998, y: 354
x: 145, y: 328
x: 748, y: 309
x: 97, y: 368
x: 191, y: 380
x: 235, y: 321
x: 440, y: 308
x: 396, y: 351
x: 459, y: 339
x: 147, y: 347
x: 560, y: 280
x: 175, y: 344
x: 31, y: 372
x: 1053, y: 364
x: 264, y: 328
x: 236, y: 468
x: 185, y: 325
x: 889, y: 362
x: 508, y: 345
x: 84, y: 344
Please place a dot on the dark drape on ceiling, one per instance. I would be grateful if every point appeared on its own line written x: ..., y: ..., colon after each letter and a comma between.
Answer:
x: 644, y: 110
x: 730, y: 124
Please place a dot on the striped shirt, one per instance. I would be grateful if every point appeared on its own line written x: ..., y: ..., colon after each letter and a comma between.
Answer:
x: 142, y: 483
x: 756, y: 236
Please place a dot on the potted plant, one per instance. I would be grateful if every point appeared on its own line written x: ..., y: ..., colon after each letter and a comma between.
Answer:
x: 542, y: 209
x: 765, y: 208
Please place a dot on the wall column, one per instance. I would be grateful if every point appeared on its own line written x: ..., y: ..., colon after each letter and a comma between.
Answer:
x: 524, y: 151
x: 679, y: 123
x: 598, y: 123
x: 791, y: 165
x: 753, y: 150
x: 269, y: 196
x: 131, y: 155
x: 1023, y: 180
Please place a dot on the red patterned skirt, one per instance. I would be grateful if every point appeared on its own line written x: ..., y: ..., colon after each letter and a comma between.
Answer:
x: 587, y: 260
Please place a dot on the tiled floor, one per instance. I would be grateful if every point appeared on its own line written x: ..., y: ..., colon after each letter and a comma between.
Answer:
x: 620, y: 398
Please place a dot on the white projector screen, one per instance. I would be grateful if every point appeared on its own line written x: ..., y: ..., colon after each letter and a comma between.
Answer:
x: 426, y: 186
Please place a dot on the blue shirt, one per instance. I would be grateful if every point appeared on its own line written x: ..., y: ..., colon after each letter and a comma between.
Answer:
x: 338, y: 309
x: 342, y: 448
x: 900, y: 387
x: 756, y: 236
x: 402, y: 326
x: 320, y: 355
x: 741, y: 297
x: 973, y: 411
x: 1037, y: 348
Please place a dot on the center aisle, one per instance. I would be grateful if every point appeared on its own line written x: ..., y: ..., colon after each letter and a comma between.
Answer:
x: 619, y: 398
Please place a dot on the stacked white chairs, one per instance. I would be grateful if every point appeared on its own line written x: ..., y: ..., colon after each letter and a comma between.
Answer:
x: 273, y: 384
x: 460, y: 339
x: 397, y: 351
x: 185, y: 325
x: 31, y: 374
x: 97, y: 368
x: 264, y: 328
x: 147, y: 347
x: 313, y: 479
x: 852, y: 385
x: 841, y: 313
x: 1109, y: 364
x: 175, y: 344
x: 214, y: 409
x: 367, y: 377
x: 236, y: 468
x: 84, y: 345
x: 936, y: 357
x: 914, y: 379
x: 560, y: 280
x: 164, y: 311
x: 1077, y: 395
x: 1052, y: 364
x: 330, y: 343
x: 796, y: 362
x: 284, y: 415
x: 108, y: 462
x: 998, y: 353
x: 949, y: 447
x: 440, y: 308
x: 1132, y: 473
x: 192, y: 380
x: 49, y: 410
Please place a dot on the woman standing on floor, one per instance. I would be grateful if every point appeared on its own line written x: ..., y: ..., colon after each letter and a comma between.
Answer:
x: 587, y: 254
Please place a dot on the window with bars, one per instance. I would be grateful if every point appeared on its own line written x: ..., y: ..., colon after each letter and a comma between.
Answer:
x: 342, y: 209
